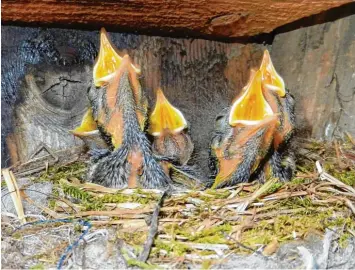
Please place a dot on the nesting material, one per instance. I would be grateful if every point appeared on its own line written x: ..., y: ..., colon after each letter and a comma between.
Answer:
x: 207, y: 227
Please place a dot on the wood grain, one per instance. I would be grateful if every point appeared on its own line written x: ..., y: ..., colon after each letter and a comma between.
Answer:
x: 199, y: 77
x: 206, y: 18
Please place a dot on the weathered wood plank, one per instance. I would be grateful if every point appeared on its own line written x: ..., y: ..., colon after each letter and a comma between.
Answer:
x: 199, y: 77
x: 214, y: 18
x: 318, y: 65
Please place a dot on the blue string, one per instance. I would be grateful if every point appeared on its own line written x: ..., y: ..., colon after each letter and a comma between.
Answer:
x: 42, y: 222
x: 75, y: 244
x: 84, y: 223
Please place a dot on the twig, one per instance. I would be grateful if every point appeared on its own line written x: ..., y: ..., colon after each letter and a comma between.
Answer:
x: 325, y: 176
x: 153, y: 230
x: 230, y: 238
x: 48, y: 211
x: 349, y: 204
x: 12, y: 186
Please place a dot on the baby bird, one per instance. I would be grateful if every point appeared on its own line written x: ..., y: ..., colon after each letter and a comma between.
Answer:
x: 106, y: 66
x: 279, y: 99
x: 169, y: 128
x: 89, y: 133
x: 131, y: 164
x: 243, y: 135
x: 172, y: 144
x: 95, y: 130
x: 282, y: 103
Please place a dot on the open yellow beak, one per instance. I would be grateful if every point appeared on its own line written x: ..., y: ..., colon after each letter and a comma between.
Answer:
x: 270, y: 78
x: 251, y: 107
x: 165, y: 117
x: 107, y: 62
x: 88, y: 124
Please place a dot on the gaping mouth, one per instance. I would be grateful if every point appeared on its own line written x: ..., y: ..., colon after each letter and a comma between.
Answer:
x: 87, y: 127
x: 107, y: 62
x: 165, y: 117
x: 251, y: 107
x: 270, y: 78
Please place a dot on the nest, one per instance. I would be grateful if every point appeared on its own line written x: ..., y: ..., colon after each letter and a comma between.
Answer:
x: 207, y: 226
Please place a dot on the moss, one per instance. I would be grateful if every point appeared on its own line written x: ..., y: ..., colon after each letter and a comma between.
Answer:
x: 142, y: 265
x: 39, y: 266
x: 175, y: 247
x: 55, y: 173
x: 213, y: 235
x: 206, y: 264
x: 133, y: 262
x: 344, y: 240
x: 347, y: 177
x: 76, y: 192
x: 274, y: 187
x: 123, y: 198
x: 17, y: 235
x: 218, y: 193
x: 299, y: 180
x: 283, y: 227
x: 133, y: 238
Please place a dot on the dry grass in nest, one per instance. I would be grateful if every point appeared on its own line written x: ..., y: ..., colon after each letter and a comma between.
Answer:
x: 211, y: 224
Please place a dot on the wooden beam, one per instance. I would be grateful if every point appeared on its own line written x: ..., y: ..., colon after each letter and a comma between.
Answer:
x: 203, y: 18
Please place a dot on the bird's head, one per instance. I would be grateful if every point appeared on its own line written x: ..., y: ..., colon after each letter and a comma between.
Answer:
x: 108, y: 61
x: 165, y: 117
x: 271, y: 80
x: 89, y: 133
x: 250, y: 107
x: 88, y: 124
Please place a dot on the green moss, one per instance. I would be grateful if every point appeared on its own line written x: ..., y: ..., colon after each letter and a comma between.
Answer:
x: 142, y: 265
x: 76, y: 192
x: 55, y: 173
x: 299, y: 180
x: 123, y: 198
x: 37, y: 267
x: 133, y: 238
x: 275, y: 187
x: 347, y: 177
x: 206, y: 264
x: 344, y: 240
x: 218, y: 193
x: 133, y: 262
x: 17, y: 235
x: 175, y: 247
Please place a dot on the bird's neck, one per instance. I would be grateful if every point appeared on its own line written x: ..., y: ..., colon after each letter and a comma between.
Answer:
x: 127, y: 103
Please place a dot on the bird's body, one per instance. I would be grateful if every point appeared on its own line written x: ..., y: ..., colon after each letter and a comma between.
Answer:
x: 131, y: 164
x: 282, y: 103
x: 168, y: 127
x: 172, y: 142
x: 243, y: 135
x: 236, y: 152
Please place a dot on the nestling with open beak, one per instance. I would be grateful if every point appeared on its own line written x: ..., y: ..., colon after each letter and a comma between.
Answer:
x: 281, y: 103
x: 243, y: 135
x: 172, y: 144
x: 119, y: 109
x: 89, y: 133
x: 169, y: 128
x: 131, y: 164
x: 95, y: 130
